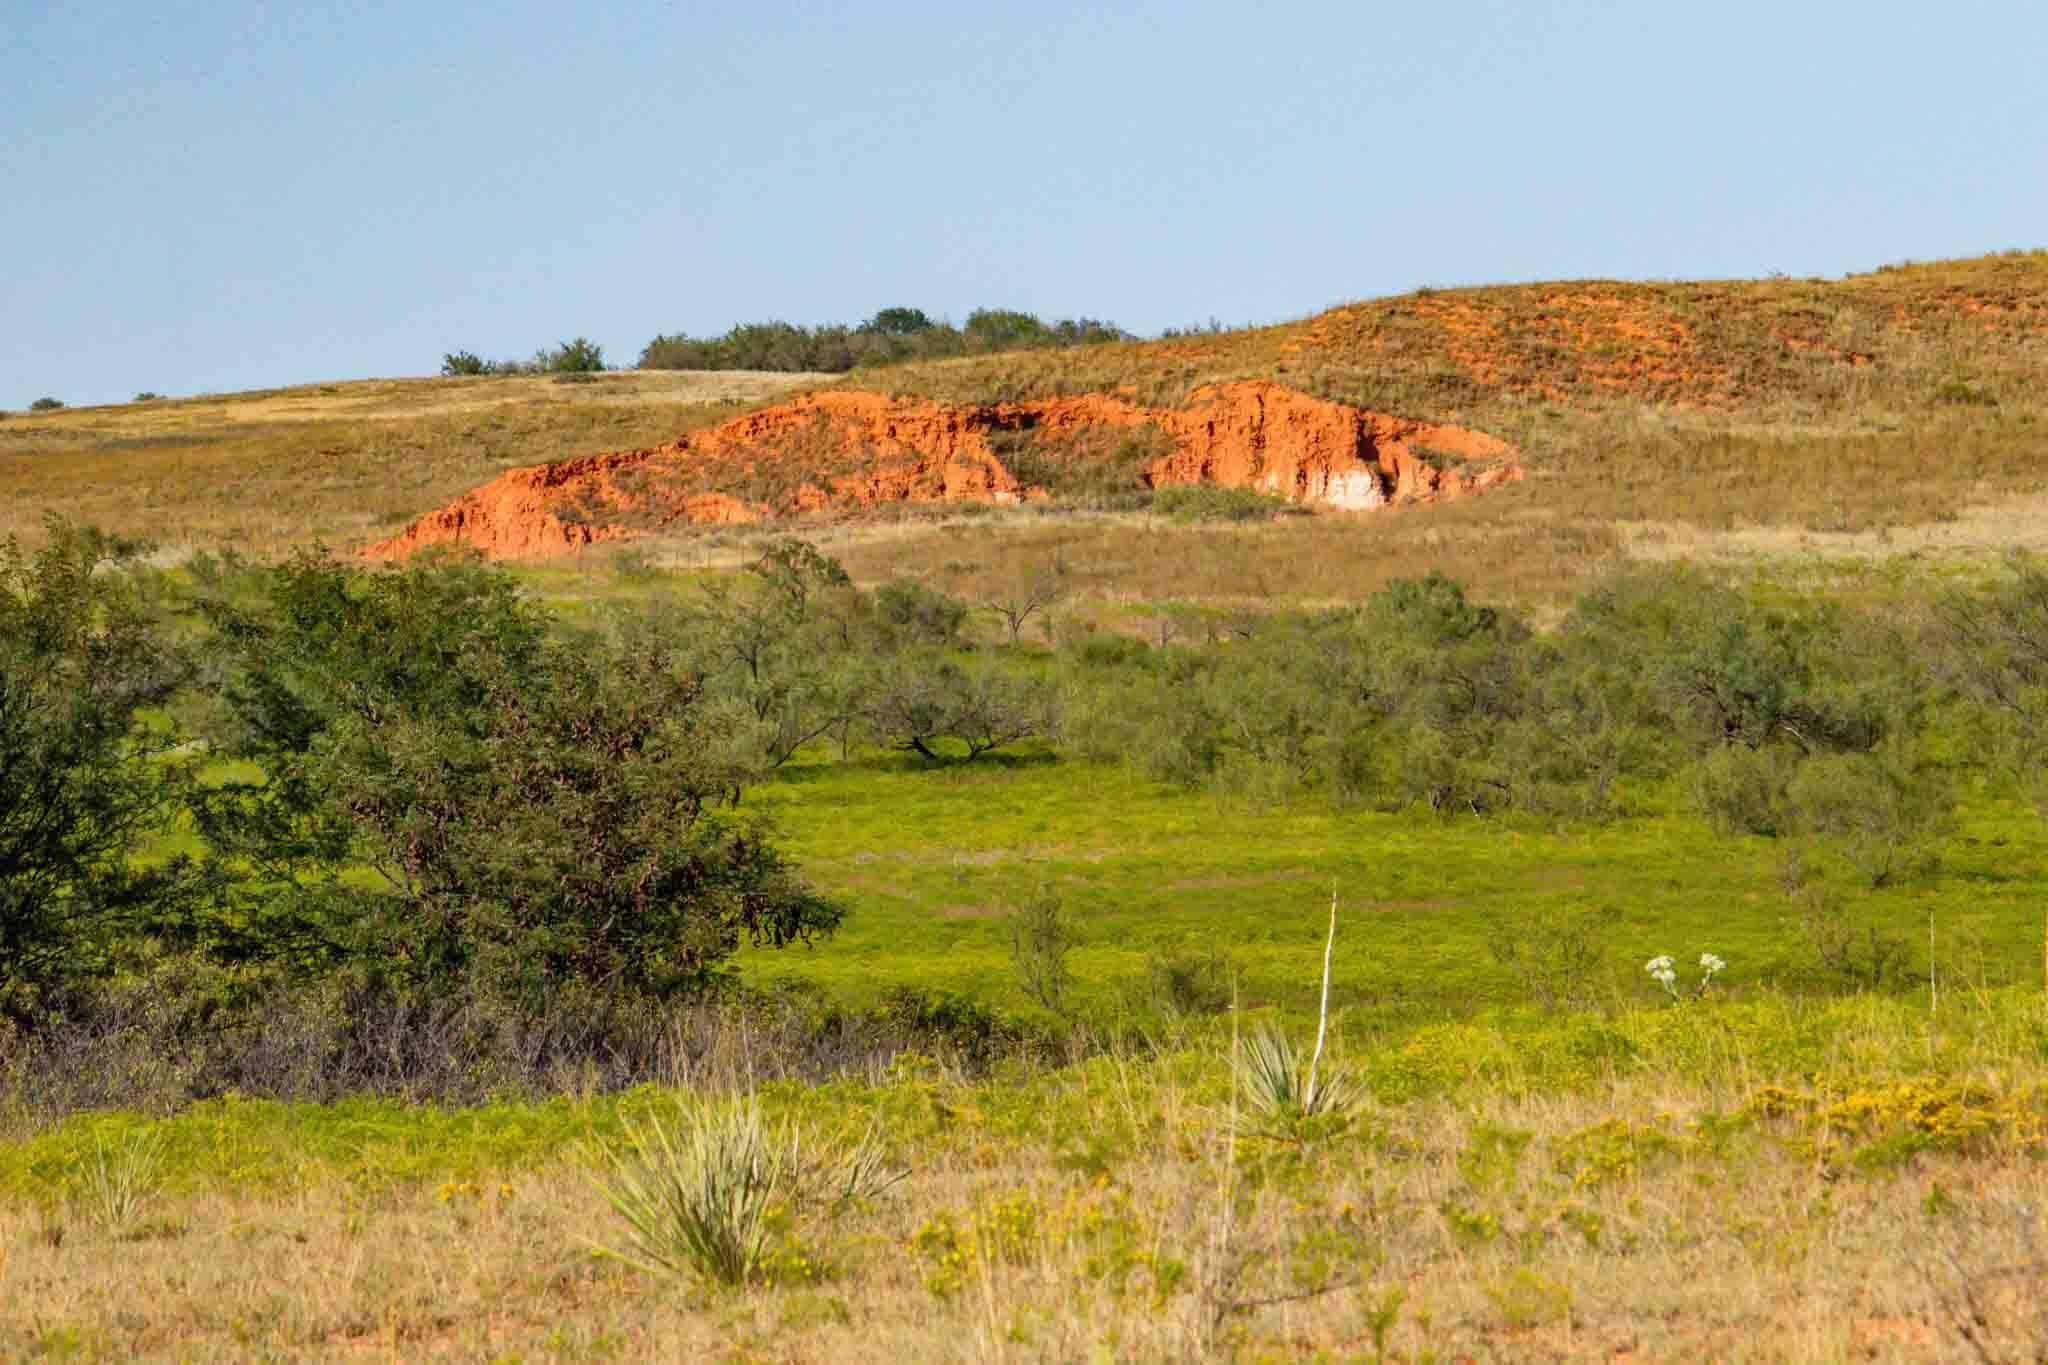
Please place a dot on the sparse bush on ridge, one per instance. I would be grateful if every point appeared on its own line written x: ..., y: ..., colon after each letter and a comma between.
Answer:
x: 46, y: 405
x: 581, y: 356
x: 891, y: 336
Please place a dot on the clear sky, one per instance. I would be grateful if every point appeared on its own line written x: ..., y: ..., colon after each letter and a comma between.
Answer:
x: 213, y: 196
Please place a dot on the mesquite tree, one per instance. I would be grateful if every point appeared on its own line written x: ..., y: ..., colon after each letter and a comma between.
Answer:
x: 88, y: 773
x: 450, y: 793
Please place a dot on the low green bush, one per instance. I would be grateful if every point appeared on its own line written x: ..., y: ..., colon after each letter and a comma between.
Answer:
x: 1213, y: 502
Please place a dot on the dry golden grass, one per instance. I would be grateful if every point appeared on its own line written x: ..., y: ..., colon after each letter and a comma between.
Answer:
x: 1606, y: 1225
x: 1504, y: 545
x: 1744, y: 415
x: 1746, y: 420
x: 1494, y: 355
x: 337, y: 463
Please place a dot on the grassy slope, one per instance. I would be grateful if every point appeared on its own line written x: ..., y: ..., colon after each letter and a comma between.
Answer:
x: 337, y: 463
x: 1658, y: 418
x: 1780, y: 417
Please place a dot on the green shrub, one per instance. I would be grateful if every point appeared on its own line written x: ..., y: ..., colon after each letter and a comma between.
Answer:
x: 459, y: 363
x: 1742, y: 791
x: 538, y: 809
x: 46, y: 405
x: 923, y: 615
x: 1042, y: 937
x: 87, y: 775
x: 1553, y: 953
x: 1183, y: 982
x: 581, y: 356
x: 919, y: 699
x: 1883, y: 810
x: 1212, y: 502
x: 1851, y: 948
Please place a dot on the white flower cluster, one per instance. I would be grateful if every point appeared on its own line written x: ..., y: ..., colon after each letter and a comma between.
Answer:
x: 1663, y: 970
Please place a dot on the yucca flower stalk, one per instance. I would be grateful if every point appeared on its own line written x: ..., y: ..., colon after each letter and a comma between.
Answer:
x: 1280, y: 1094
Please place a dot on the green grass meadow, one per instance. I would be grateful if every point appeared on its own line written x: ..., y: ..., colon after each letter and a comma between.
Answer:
x: 930, y: 861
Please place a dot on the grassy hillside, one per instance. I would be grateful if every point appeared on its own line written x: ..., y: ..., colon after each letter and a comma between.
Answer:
x: 1861, y: 418
x: 337, y: 463
x: 1881, y: 414
x: 1778, y: 349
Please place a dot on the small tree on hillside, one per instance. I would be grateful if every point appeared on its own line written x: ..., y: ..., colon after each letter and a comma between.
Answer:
x: 920, y: 698
x: 770, y: 645
x: 1017, y: 601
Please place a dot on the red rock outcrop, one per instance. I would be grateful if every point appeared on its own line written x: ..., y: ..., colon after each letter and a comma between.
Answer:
x: 847, y: 450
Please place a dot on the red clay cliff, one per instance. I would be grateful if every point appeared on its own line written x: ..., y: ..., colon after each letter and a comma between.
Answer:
x: 842, y: 450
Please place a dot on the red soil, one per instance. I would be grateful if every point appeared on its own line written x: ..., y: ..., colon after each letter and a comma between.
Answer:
x: 841, y: 450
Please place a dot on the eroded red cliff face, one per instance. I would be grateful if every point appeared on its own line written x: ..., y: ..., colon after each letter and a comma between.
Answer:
x: 848, y: 450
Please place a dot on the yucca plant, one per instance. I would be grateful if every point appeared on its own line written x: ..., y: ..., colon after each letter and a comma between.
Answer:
x: 1280, y: 1095
x: 701, y: 1201
x: 122, y: 1178
x: 708, y: 1199
x: 1279, y: 1090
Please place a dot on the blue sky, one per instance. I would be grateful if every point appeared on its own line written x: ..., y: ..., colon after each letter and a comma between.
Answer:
x: 209, y: 197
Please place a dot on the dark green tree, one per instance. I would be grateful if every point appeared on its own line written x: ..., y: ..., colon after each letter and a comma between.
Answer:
x: 898, y: 322
x: 457, y: 797
x: 581, y: 356
x: 89, y: 771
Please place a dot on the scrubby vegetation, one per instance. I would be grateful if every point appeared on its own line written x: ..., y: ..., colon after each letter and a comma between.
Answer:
x: 581, y: 356
x: 907, y: 941
x: 416, y: 794
x: 892, y: 336
x: 408, y: 833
